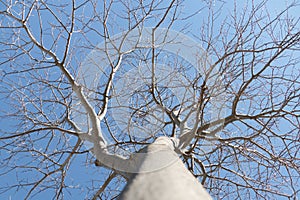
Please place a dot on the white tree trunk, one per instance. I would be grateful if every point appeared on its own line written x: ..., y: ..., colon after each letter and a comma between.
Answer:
x: 163, y: 176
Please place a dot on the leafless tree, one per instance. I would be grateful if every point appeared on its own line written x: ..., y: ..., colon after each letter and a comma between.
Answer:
x: 87, y: 86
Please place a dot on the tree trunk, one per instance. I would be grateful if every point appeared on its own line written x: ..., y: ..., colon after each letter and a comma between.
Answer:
x: 162, y: 176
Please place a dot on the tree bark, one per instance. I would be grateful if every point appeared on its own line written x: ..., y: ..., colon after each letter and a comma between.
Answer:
x: 162, y: 176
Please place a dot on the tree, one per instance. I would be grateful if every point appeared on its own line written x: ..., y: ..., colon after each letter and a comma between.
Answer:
x: 87, y: 87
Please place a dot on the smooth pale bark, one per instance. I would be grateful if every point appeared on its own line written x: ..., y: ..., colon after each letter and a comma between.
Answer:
x: 163, y: 176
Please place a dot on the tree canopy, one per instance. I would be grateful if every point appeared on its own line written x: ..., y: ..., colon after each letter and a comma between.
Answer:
x: 83, y: 78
